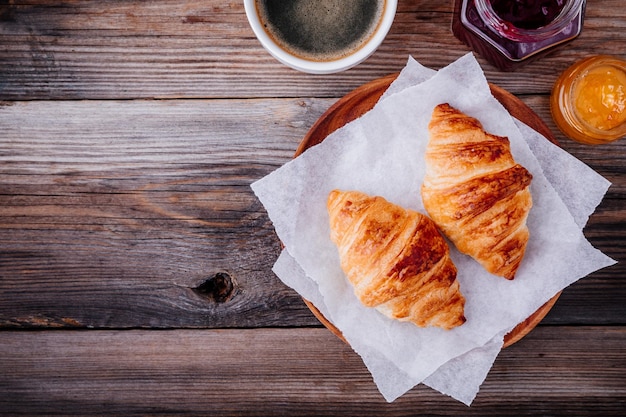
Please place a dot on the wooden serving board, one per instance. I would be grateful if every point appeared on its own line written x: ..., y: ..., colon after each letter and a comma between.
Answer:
x: 360, y: 101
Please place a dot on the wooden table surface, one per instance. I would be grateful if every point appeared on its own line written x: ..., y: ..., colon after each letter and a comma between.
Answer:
x: 135, y: 261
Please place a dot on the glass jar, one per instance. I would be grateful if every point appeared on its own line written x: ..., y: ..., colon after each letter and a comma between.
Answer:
x: 588, y: 101
x: 509, y: 33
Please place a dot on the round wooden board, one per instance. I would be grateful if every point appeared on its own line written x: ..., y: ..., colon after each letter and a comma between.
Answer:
x: 360, y: 101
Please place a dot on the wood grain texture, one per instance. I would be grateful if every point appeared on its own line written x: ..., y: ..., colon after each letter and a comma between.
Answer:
x: 205, y: 49
x: 112, y: 212
x: 135, y: 261
x: 296, y: 372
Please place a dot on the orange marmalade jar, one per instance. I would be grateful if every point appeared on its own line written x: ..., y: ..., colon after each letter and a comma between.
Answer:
x: 588, y: 102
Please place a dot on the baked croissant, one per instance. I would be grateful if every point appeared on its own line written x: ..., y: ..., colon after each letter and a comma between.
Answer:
x: 475, y: 192
x: 396, y: 259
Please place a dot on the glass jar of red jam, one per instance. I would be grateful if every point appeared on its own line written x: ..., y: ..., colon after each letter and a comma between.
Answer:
x: 509, y: 33
x: 588, y: 101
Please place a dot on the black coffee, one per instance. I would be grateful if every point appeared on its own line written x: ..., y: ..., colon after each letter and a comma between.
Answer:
x: 321, y: 30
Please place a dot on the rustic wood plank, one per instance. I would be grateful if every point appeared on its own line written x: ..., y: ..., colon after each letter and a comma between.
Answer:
x: 123, y: 214
x: 203, y: 49
x: 574, y: 371
x: 113, y: 213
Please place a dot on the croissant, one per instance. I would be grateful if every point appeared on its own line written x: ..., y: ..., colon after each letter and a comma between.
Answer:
x: 475, y: 192
x: 396, y: 259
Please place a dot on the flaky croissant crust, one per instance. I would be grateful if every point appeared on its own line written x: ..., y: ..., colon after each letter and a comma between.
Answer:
x: 475, y: 192
x: 396, y: 259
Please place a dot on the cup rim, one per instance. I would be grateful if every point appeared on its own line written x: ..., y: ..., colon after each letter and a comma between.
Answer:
x: 322, y: 67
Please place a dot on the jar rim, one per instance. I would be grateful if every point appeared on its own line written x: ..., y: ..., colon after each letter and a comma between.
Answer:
x: 508, y: 30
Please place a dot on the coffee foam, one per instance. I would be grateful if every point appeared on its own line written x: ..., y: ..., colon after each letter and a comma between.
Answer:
x: 322, y: 30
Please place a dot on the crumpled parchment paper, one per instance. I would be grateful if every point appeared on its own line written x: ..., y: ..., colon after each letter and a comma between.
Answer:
x: 381, y: 153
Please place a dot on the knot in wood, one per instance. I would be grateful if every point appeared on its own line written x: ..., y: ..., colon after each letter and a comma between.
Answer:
x: 218, y: 288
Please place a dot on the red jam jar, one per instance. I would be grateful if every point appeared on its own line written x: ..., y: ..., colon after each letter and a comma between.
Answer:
x: 510, y: 33
x: 588, y: 101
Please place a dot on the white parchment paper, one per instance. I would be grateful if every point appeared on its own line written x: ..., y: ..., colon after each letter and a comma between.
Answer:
x: 381, y: 153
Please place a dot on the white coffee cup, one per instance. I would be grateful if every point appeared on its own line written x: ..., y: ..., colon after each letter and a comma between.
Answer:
x: 323, y: 66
